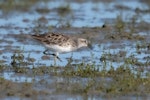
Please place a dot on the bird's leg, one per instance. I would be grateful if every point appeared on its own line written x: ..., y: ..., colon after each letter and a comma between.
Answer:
x: 55, y: 60
x: 56, y: 55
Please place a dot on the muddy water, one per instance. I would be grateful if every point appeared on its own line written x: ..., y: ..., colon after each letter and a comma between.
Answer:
x: 118, y: 30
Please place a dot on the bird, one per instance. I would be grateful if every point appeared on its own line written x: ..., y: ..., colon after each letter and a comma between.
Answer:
x: 60, y: 43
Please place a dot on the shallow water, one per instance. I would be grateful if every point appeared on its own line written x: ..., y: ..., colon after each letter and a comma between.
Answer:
x: 83, y: 19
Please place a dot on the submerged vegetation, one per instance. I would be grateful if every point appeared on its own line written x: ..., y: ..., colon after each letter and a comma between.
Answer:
x: 82, y: 78
x: 10, y: 5
x: 111, y: 70
x: 88, y: 79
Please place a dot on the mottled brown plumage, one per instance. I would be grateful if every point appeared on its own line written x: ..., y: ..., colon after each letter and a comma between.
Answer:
x: 50, y: 40
x: 60, y: 43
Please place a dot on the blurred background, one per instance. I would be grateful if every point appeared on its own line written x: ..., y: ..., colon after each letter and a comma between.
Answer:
x: 116, y: 68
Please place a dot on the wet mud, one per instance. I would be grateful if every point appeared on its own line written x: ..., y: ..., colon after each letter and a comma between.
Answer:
x: 117, y: 67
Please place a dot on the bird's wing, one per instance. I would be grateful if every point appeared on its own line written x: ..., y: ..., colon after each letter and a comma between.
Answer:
x: 51, y: 38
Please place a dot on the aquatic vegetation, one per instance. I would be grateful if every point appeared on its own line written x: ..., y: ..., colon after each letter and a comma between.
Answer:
x: 105, y: 82
x: 10, y: 5
x: 63, y: 10
x: 118, y: 68
x: 19, y: 62
x: 120, y: 24
x: 83, y: 78
x: 43, y: 10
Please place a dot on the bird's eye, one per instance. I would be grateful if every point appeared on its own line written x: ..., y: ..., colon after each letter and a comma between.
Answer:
x: 84, y: 41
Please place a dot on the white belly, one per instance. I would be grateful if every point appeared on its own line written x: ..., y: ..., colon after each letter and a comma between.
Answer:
x: 57, y: 48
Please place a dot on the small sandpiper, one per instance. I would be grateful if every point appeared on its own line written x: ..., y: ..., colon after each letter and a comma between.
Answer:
x: 60, y: 43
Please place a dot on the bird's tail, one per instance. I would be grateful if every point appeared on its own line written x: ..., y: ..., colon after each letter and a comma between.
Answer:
x: 37, y: 36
